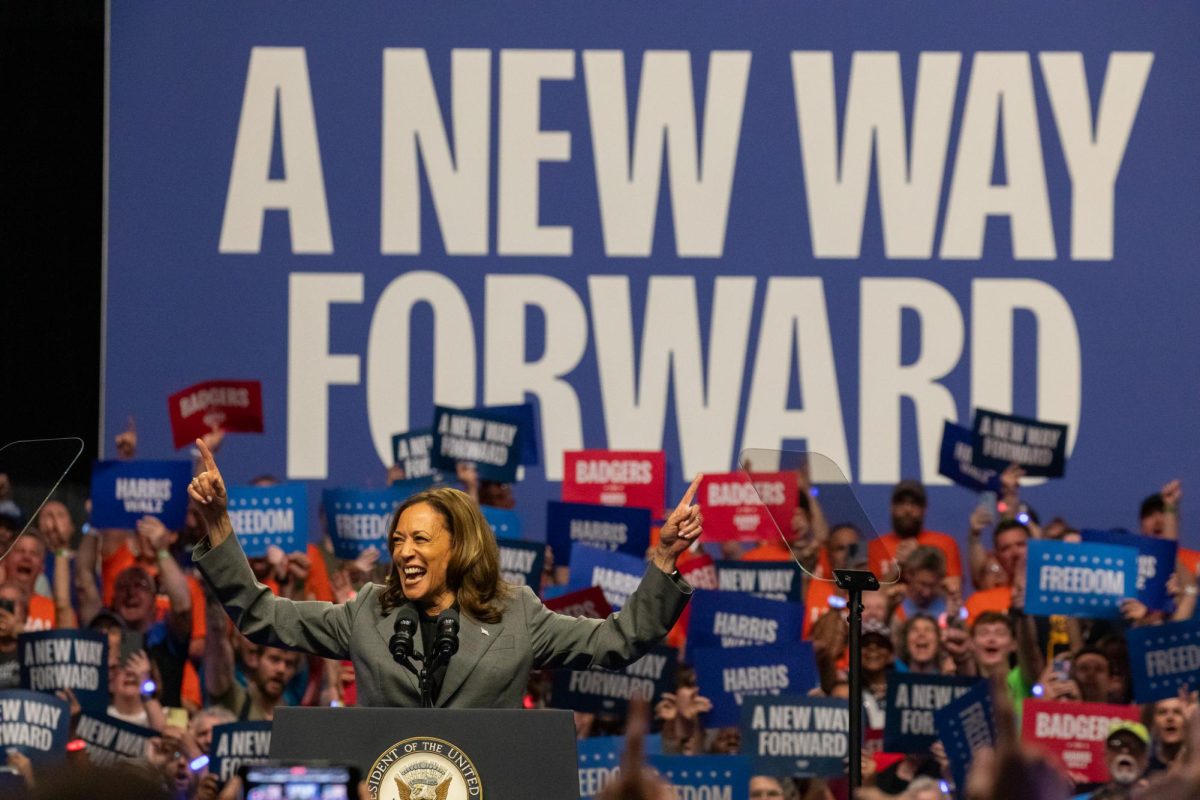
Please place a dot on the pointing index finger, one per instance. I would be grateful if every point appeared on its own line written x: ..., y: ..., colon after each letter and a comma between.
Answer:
x: 690, y: 493
x: 206, y: 456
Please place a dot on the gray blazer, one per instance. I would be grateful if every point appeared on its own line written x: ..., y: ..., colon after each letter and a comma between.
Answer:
x: 491, y: 667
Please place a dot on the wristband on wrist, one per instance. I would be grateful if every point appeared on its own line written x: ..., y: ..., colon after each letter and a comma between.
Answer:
x: 163, y: 554
x: 1170, y: 509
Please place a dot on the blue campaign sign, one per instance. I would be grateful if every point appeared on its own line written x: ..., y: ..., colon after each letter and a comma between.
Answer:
x: 521, y: 562
x: 358, y: 519
x: 489, y: 439
x: 737, y: 619
x: 1155, y: 562
x: 1002, y: 439
x: 1163, y: 659
x: 725, y: 777
x: 506, y: 524
x: 111, y: 740
x: 775, y: 580
x: 955, y: 460
x: 674, y: 226
x: 616, y: 574
x: 625, y: 530
x: 600, y: 760
x: 1079, y: 580
x: 263, y: 516
x: 237, y: 743
x: 413, y: 452
x: 125, y: 491
x: 964, y: 725
x: 796, y: 735
x: 525, y: 417
x: 601, y: 691
x: 912, y: 701
x: 66, y: 659
x: 34, y: 723
x: 728, y: 676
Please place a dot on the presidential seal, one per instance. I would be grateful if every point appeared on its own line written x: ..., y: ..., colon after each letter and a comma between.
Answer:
x: 424, y: 768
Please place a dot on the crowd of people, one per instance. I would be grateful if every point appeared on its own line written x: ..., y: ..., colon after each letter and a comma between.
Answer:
x: 942, y: 614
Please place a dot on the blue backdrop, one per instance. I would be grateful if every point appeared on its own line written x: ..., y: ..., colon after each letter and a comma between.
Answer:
x: 478, y: 157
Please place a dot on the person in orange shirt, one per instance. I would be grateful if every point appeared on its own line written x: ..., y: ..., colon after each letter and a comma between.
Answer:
x: 841, y: 551
x: 805, y: 542
x: 885, y: 554
x: 25, y: 562
x: 1010, y: 544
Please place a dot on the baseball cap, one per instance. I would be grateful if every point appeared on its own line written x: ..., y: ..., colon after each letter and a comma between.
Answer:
x: 1134, y: 729
x: 878, y: 630
x: 909, y: 488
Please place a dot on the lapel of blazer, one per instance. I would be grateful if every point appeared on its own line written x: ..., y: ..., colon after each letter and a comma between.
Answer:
x: 472, y: 644
x: 386, y: 626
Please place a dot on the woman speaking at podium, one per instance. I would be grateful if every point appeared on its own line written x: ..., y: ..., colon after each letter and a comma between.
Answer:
x: 444, y: 556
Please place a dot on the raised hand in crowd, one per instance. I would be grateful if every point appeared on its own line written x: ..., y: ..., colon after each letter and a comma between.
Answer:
x: 680, y: 712
x: 23, y: 766
x: 1010, y: 489
x: 209, y: 787
x: 468, y: 475
x: 1182, y: 588
x: 153, y: 536
x: 1134, y: 611
x: 1012, y: 768
x: 156, y: 539
x: 957, y: 644
x: 636, y: 781
x: 982, y: 518
x: 1172, y: 495
x: 126, y: 441
x: 74, y: 708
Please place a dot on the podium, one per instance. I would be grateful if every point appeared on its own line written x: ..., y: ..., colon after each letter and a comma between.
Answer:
x: 483, y: 754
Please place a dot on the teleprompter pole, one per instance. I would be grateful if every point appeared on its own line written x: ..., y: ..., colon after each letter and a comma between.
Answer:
x: 855, y: 582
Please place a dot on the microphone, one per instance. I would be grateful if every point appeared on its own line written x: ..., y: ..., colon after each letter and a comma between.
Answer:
x: 403, y: 641
x: 445, y: 641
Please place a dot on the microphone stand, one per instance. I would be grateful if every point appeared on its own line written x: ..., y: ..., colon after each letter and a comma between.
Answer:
x: 443, y: 648
x: 855, y: 582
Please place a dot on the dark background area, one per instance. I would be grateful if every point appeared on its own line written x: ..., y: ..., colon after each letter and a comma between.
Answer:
x: 52, y: 63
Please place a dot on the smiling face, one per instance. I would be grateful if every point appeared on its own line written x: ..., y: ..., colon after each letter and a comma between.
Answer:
x: 421, y: 550
x: 124, y: 684
x: 133, y: 597
x: 993, y: 642
x: 922, y: 641
x: 25, y: 562
x: 876, y: 655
